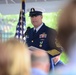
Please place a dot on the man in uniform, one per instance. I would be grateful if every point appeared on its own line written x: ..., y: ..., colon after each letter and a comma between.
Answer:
x: 40, y: 35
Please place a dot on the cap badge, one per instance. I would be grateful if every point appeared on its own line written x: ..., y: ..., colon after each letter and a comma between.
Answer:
x: 32, y: 9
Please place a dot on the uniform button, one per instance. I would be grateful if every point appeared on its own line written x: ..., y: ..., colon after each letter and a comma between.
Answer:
x: 40, y: 45
x: 32, y: 41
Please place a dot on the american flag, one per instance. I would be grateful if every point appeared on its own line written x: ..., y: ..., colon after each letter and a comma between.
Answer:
x: 20, y: 29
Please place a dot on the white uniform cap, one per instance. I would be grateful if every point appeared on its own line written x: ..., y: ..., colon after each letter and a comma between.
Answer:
x: 35, y: 12
x: 36, y: 9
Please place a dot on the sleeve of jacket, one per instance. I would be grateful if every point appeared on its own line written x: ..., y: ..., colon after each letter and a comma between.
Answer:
x: 55, y: 48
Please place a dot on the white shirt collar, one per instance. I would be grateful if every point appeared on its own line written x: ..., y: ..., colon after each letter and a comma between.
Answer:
x: 38, y: 27
x: 56, y: 62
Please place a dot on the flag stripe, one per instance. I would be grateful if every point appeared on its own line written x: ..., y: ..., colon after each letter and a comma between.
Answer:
x: 20, y: 29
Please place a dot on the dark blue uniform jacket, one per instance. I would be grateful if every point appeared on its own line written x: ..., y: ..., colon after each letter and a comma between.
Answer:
x: 44, y: 38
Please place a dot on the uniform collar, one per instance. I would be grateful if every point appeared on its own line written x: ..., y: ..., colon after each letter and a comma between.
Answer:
x: 38, y: 27
x: 56, y: 62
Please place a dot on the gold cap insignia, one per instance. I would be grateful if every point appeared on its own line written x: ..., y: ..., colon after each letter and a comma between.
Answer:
x: 32, y: 9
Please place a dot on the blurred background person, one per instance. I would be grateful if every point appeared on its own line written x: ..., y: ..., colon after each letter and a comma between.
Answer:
x: 70, y: 68
x: 40, y: 62
x: 67, y: 38
x: 67, y: 23
x: 17, y: 58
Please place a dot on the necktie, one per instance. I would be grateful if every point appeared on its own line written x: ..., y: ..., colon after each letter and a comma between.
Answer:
x: 34, y: 31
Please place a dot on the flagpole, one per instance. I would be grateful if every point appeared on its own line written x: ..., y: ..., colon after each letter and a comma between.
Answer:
x: 21, y: 4
x: 23, y: 13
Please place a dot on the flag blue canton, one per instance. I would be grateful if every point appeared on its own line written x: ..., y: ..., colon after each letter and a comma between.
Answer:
x: 20, y: 29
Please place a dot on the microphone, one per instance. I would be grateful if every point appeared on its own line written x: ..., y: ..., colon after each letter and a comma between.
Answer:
x: 28, y: 28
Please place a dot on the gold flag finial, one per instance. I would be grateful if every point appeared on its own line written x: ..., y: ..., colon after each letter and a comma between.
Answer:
x: 23, y: 0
